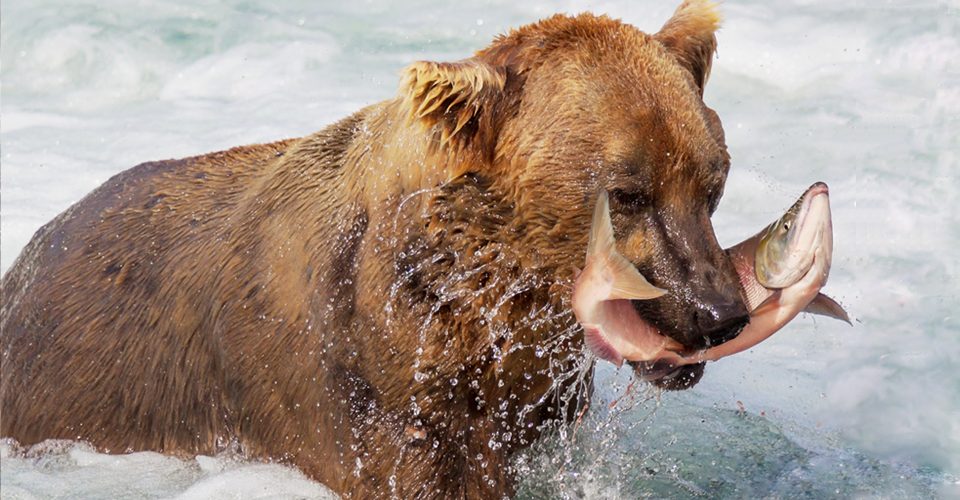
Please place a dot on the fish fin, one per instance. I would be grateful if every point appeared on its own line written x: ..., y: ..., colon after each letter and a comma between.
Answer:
x: 825, y: 306
x: 770, y: 303
x: 601, y: 229
x: 599, y: 346
x: 628, y: 283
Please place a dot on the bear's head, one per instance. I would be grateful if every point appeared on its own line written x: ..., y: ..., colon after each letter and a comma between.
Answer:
x: 553, y: 112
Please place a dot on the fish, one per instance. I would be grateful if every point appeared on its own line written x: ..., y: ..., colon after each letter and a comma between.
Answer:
x: 782, y: 269
x: 602, y: 291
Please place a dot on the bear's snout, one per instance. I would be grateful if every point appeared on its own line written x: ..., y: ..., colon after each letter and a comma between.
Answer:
x: 720, y: 319
x: 718, y: 310
x: 704, y: 306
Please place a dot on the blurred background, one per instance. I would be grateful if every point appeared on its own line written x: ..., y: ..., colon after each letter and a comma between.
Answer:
x: 862, y: 95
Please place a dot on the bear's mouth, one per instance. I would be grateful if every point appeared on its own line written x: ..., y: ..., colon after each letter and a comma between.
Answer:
x: 605, y: 297
x: 665, y: 372
x: 664, y: 363
x: 667, y: 375
x: 727, y: 330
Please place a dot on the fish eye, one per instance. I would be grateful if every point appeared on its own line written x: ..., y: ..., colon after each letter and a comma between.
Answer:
x: 786, y: 226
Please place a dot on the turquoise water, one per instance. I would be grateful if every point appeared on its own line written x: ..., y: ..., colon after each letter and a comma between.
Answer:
x: 862, y: 95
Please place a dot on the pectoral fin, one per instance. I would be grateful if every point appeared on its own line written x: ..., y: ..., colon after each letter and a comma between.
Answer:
x: 628, y: 283
x: 825, y: 306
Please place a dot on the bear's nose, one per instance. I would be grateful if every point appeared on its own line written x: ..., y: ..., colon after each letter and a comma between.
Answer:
x: 720, y: 319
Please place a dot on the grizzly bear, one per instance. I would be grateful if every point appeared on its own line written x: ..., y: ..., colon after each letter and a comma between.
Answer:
x: 384, y: 304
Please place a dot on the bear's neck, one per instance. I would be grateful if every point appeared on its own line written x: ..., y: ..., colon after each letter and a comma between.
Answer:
x: 498, y: 344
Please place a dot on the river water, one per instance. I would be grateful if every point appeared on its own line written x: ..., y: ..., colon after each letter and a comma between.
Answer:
x: 862, y: 95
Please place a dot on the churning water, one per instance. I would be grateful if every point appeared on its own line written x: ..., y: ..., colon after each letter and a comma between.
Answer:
x: 862, y: 95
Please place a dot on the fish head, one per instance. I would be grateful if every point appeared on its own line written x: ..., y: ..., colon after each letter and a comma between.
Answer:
x: 786, y: 248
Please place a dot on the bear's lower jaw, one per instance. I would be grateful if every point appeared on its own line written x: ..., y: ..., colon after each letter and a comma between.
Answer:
x: 668, y: 376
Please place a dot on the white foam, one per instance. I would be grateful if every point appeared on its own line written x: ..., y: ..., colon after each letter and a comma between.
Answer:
x: 65, y: 469
x: 247, y: 71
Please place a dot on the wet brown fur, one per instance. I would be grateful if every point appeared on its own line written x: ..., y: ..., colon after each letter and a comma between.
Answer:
x: 383, y: 304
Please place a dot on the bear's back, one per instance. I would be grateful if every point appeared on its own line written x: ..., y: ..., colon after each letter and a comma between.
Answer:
x: 117, y: 266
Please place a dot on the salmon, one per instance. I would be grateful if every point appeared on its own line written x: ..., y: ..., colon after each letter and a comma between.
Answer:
x: 613, y: 330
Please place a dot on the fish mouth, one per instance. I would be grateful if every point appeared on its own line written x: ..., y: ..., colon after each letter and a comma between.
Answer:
x: 812, y: 222
x: 817, y: 188
x: 813, y: 203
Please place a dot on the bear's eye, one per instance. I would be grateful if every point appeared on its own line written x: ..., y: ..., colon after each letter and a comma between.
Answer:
x: 713, y: 203
x: 627, y: 201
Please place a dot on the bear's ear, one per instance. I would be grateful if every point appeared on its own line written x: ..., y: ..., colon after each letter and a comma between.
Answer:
x: 459, y: 96
x: 690, y: 36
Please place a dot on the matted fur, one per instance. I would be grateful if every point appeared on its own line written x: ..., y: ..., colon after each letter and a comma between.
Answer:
x: 452, y: 92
